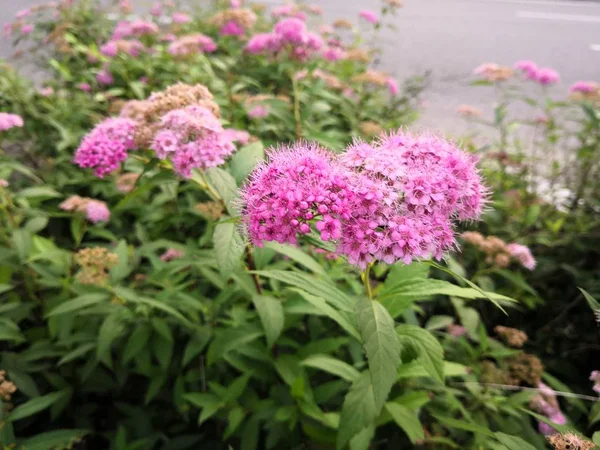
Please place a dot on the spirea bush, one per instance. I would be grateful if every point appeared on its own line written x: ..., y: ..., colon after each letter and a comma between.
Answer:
x: 167, y: 283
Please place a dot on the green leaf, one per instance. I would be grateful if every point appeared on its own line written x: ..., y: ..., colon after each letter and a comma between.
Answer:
x: 225, y: 185
x: 342, y: 318
x: 333, y: 366
x: 38, y: 192
x: 559, y: 428
x: 407, y: 420
x: 123, y: 267
x: 9, y: 331
x: 313, y: 285
x: 76, y: 353
x: 414, y: 369
x: 596, y: 438
x: 430, y: 352
x: 229, y: 248
x: 594, y: 304
x: 35, y: 405
x: 36, y: 224
x: 358, y: 411
x: 229, y: 340
x: 271, y: 315
x: 234, y: 419
x: 208, y: 403
x: 133, y: 296
x: 52, y: 440
x: 513, y: 442
x: 111, y: 329
x: 463, y: 425
x: 198, y: 341
x: 21, y: 240
x: 162, y: 328
x: 250, y: 434
x: 297, y: 255
x: 362, y: 441
x: 83, y: 301
x: 244, y: 160
x: 235, y: 389
x: 381, y: 345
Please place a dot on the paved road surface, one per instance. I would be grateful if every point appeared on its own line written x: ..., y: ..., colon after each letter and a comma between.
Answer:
x: 451, y: 37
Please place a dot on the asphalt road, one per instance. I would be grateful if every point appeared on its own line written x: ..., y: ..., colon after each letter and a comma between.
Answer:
x: 451, y: 37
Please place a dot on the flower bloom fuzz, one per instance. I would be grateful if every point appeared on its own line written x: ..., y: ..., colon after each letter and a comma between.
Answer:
x: 369, y: 16
x: 8, y: 121
x: 289, y: 35
x: 171, y: 254
x: 408, y: 192
x: 192, y: 137
x: 299, y: 186
x: 522, y: 254
x: 106, y: 146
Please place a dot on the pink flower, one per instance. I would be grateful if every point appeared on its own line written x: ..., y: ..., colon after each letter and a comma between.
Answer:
x: 231, y: 28
x: 85, y: 87
x: 143, y: 28
x: 3, y: 183
x: 8, y: 121
x: 325, y: 29
x: 289, y: 35
x: 314, y: 9
x: 262, y: 42
x: 557, y: 418
x: 97, y: 211
x: 282, y: 10
x: 438, y: 184
x: 546, y: 76
x: 156, y: 10
x: 171, y: 254
x: 181, y: 18
x: 241, y: 136
x: 192, y: 138
x: 456, y: 330
x: 522, y: 254
x: 258, y: 112
x: 595, y: 377
x: 291, y: 30
x: 125, y: 6
x: 333, y: 53
x: 392, y: 85
x: 23, y: 13
x: 369, y: 16
x: 191, y: 44
x: 584, y: 87
x: 235, y: 3
x: 46, y: 91
x: 106, y: 146
x: 299, y: 185
x: 27, y: 28
x: 529, y: 68
x: 109, y: 49
x: 104, y: 77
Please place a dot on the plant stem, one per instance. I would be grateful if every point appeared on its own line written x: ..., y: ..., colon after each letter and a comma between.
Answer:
x: 296, y: 107
x: 366, y: 278
x: 252, y: 266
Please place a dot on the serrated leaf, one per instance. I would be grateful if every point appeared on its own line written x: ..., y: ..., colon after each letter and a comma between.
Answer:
x: 76, y: 353
x: 462, y: 424
x: 83, y: 301
x: 297, y: 255
x: 513, y: 442
x: 35, y: 405
x: 271, y: 316
x: 333, y: 366
x: 225, y: 185
x: 313, y: 285
x: 111, y: 329
x: 244, y: 160
x: 430, y: 352
x: 407, y: 420
x: 381, y: 345
x: 38, y: 192
x: 208, y: 403
x: 342, y: 318
x: 594, y: 304
x: 229, y: 248
x: 359, y: 410
x: 52, y: 440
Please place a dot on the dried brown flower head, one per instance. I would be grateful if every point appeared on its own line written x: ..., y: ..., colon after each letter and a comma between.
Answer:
x: 245, y: 18
x: 343, y: 24
x: 358, y: 54
x: 371, y: 77
x: 126, y: 182
x: 95, y: 262
x: 511, y: 336
x: 7, y: 388
x: 526, y: 368
x: 370, y: 128
x: 570, y: 441
x: 468, y: 111
x: 210, y: 210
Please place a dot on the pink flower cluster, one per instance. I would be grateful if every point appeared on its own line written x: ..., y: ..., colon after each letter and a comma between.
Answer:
x: 299, y: 186
x: 595, y: 377
x: 8, y: 121
x: 171, y: 254
x: 192, y: 137
x: 409, y: 190
x: 542, y: 75
x: 289, y: 10
x: 522, y: 254
x: 545, y: 403
x: 369, y: 16
x: 191, y: 44
x: 106, y: 146
x: 289, y: 35
x: 131, y: 47
x: 392, y: 200
x: 95, y: 210
x: 136, y: 28
x: 584, y: 87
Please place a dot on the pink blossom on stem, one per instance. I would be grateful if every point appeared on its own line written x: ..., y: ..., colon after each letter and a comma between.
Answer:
x: 85, y: 87
x: 231, y: 28
x: 181, y: 18
x: 333, y: 53
x: 529, y: 68
x: 23, y: 13
x: 235, y: 3
x: 522, y: 254
x: 392, y: 85
x: 595, y: 377
x: 258, y: 112
x: 106, y: 146
x: 8, y: 121
x: 546, y: 76
x: 584, y: 87
x: 171, y: 254
x: 369, y: 16
x: 27, y: 28
x: 156, y: 10
x: 46, y: 91
x: 97, y: 211
x: 104, y: 77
